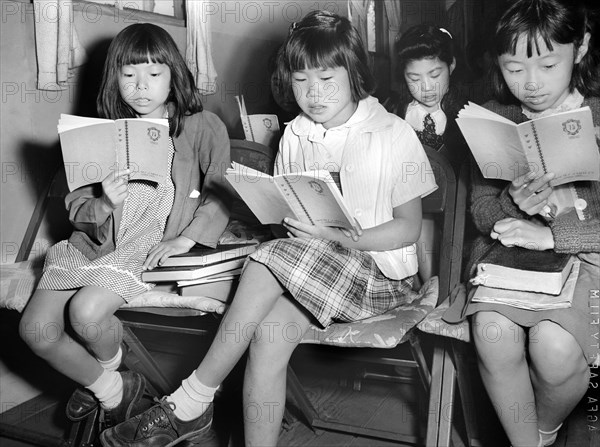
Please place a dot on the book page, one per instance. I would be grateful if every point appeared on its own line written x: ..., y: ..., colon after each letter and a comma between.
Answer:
x: 144, y: 148
x: 313, y: 196
x: 564, y: 144
x: 260, y: 193
x: 496, y: 146
x: 89, y: 152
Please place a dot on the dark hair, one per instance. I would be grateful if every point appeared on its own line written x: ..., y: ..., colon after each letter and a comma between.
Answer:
x: 321, y: 40
x: 427, y: 41
x: 559, y: 21
x: 424, y: 41
x: 138, y: 44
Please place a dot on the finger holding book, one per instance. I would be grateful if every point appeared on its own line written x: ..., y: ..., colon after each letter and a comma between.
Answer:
x: 165, y: 249
x: 523, y: 233
x: 114, y: 188
x: 530, y: 192
x: 296, y: 228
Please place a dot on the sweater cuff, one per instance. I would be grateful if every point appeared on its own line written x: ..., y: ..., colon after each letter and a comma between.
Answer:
x: 573, y: 236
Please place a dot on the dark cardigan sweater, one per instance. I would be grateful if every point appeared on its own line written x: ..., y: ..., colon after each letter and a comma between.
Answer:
x: 490, y: 202
x: 202, y: 154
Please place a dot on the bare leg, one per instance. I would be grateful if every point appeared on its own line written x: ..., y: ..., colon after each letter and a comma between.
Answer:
x: 504, y: 370
x: 91, y: 312
x: 265, y: 377
x: 559, y: 373
x: 42, y: 327
x: 256, y: 295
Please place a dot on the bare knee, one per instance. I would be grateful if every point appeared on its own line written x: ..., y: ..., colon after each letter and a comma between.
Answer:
x: 272, y: 345
x: 40, y: 334
x: 556, y: 357
x: 88, y: 314
x: 498, y: 340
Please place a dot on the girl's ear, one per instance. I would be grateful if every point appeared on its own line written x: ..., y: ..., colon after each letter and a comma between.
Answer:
x: 452, y: 65
x: 583, y: 48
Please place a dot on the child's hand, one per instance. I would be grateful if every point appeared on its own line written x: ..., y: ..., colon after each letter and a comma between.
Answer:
x: 114, y: 188
x: 531, y: 192
x: 165, y: 249
x: 296, y: 228
x: 523, y: 233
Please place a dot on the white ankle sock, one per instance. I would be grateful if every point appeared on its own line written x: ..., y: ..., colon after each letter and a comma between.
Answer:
x: 548, y: 437
x: 114, y: 363
x: 108, y: 389
x: 191, y: 399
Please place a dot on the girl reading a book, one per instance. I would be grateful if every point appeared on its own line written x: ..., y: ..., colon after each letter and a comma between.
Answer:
x: 318, y: 274
x: 535, y: 364
x: 122, y: 227
x: 429, y: 98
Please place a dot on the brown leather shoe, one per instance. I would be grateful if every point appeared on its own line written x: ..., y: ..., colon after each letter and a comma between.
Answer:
x: 159, y: 427
x: 134, y: 385
x: 81, y: 404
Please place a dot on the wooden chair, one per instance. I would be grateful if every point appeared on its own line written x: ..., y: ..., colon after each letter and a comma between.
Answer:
x: 438, y: 208
x: 178, y: 320
x: 163, y: 319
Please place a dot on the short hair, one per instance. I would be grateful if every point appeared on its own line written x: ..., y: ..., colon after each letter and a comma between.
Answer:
x: 141, y: 43
x: 424, y: 41
x: 552, y: 21
x: 322, y: 40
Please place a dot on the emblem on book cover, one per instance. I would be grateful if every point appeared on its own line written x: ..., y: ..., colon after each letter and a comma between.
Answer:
x: 154, y: 133
x: 268, y: 124
x: 571, y: 126
x: 316, y: 186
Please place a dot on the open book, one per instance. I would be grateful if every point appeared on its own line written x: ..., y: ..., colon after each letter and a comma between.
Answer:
x: 564, y: 143
x: 310, y: 197
x: 93, y: 147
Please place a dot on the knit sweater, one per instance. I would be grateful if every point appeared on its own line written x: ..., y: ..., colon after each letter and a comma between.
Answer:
x: 491, y: 202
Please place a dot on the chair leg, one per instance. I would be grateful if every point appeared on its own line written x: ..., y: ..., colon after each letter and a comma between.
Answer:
x: 419, y: 356
x: 464, y: 381
x: 294, y: 387
x: 157, y: 381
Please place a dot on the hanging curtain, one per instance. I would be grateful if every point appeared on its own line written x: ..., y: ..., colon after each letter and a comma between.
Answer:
x: 198, y: 53
x: 57, y: 47
x: 357, y: 13
x: 393, y: 10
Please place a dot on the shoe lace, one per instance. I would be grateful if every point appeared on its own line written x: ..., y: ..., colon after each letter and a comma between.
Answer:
x: 159, y: 415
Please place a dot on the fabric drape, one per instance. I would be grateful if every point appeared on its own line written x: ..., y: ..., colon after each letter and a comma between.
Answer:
x: 57, y: 46
x: 198, y: 53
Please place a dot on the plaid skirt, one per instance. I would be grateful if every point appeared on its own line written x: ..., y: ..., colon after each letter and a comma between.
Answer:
x: 333, y: 283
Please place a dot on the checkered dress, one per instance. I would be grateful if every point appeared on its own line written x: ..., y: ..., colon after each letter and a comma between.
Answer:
x: 334, y: 283
x: 145, y: 213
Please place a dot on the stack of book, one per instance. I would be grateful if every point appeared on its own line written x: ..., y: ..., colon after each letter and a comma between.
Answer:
x: 527, y: 279
x: 204, y: 271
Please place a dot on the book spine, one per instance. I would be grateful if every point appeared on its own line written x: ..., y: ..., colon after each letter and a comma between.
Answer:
x: 127, y: 161
x: 538, y: 146
x: 297, y: 200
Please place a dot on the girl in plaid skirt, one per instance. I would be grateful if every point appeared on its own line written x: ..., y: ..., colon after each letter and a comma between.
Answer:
x: 317, y: 274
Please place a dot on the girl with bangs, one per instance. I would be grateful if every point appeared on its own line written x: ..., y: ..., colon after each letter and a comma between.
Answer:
x: 536, y: 363
x: 317, y: 274
x: 123, y: 227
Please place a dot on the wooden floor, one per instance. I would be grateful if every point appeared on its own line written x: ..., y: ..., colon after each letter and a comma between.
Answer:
x: 393, y: 406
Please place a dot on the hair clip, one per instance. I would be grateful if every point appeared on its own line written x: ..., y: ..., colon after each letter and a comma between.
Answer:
x: 444, y: 30
x: 294, y: 26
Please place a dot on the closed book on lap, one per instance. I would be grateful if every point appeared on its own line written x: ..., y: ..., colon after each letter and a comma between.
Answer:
x: 530, y: 300
x: 517, y: 268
